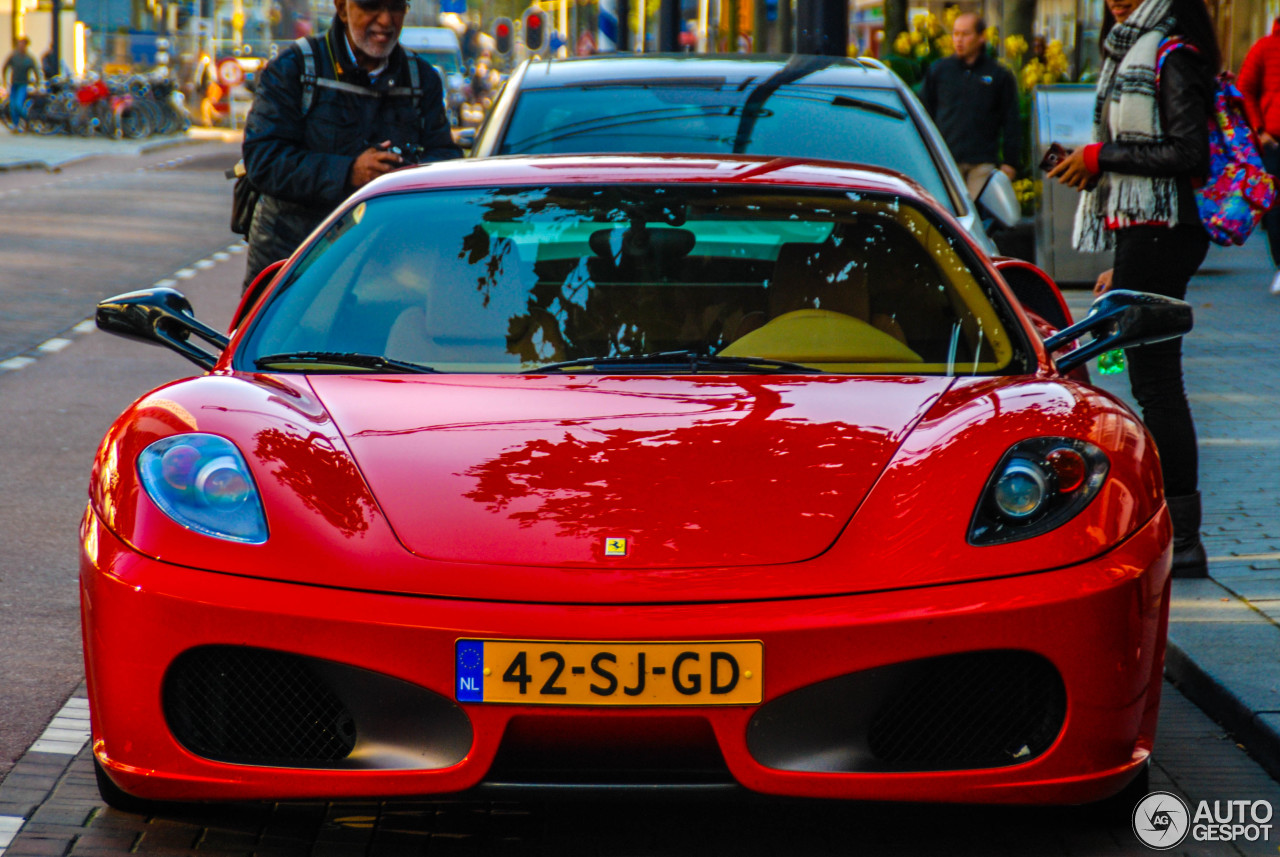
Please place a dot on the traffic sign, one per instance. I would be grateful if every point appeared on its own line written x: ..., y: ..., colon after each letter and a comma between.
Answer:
x: 230, y: 72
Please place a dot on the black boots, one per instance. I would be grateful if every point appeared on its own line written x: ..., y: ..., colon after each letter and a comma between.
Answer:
x: 1188, y: 553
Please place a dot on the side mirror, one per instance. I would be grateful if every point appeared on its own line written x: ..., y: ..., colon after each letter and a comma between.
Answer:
x: 1122, y: 319
x: 1000, y: 200
x: 160, y: 317
x: 465, y: 138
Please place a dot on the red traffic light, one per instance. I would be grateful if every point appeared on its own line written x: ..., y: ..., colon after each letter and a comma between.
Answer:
x: 502, y: 33
x: 534, y: 29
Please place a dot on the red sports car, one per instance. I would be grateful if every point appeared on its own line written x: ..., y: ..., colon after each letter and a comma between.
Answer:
x: 616, y: 470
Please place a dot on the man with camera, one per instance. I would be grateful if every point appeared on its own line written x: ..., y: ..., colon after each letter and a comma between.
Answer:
x: 331, y: 114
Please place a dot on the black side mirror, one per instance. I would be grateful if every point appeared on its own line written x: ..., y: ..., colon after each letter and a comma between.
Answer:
x: 1122, y: 319
x: 465, y: 138
x: 160, y: 317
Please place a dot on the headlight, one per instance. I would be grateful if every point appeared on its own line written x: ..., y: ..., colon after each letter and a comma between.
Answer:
x: 202, y: 482
x: 1039, y: 484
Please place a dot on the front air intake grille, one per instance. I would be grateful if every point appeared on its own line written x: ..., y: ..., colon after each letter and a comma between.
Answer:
x: 255, y: 707
x: 973, y: 710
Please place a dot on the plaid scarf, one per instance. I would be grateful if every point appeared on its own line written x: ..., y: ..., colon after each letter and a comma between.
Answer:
x: 1128, y: 111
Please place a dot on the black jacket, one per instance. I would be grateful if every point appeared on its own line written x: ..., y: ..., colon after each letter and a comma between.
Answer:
x: 301, y: 164
x: 974, y: 106
x: 1186, y: 100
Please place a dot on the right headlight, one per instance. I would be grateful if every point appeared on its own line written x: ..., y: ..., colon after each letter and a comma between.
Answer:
x: 202, y: 482
x: 1038, y: 485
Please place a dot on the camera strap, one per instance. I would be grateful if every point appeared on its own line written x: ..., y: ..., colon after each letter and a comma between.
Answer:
x: 310, y: 80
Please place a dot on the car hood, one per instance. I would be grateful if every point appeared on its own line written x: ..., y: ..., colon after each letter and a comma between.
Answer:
x: 640, y: 472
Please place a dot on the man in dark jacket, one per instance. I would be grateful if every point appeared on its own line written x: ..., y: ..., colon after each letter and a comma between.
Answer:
x: 974, y: 102
x: 308, y: 145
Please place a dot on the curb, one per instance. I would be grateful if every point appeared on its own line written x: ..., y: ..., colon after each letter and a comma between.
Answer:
x: 143, y: 149
x: 26, y: 165
x: 1258, y: 737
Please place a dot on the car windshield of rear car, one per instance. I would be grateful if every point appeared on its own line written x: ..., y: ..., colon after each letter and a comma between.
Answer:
x: 513, y: 279
x: 863, y: 125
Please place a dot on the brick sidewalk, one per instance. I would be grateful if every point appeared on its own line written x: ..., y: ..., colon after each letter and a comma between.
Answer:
x: 56, y: 793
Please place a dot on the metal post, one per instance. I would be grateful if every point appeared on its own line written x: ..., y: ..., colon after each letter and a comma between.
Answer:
x: 56, y: 30
x: 607, y: 25
x: 786, y: 27
x: 822, y: 27
x: 624, y: 25
x: 669, y: 25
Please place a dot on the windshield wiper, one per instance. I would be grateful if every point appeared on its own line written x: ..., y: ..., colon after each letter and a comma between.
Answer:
x: 342, y: 358
x: 609, y: 123
x: 682, y: 361
x: 882, y: 109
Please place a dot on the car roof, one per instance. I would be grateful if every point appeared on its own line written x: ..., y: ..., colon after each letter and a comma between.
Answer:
x: 731, y: 68
x: 438, y: 38
x: 628, y: 168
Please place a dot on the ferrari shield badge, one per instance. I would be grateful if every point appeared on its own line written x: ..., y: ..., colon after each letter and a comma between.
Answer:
x: 614, y: 546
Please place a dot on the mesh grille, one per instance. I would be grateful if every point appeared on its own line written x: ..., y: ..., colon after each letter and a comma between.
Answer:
x: 976, y: 710
x: 252, y: 706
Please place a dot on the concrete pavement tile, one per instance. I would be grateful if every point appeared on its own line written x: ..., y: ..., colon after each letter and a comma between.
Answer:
x: 38, y: 845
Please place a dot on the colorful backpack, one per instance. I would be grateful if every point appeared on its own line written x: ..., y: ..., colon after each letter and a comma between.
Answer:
x: 1238, y: 189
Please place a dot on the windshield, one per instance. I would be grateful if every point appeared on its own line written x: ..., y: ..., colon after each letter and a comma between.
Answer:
x: 847, y: 123
x: 445, y: 61
x: 513, y: 279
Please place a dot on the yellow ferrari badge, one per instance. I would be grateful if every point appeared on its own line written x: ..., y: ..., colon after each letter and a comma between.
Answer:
x: 615, y: 547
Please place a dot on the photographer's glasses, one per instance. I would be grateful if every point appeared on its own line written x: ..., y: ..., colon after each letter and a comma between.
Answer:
x: 377, y: 7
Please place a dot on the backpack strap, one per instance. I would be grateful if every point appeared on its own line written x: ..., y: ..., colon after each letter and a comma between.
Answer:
x: 1167, y: 47
x: 309, y: 79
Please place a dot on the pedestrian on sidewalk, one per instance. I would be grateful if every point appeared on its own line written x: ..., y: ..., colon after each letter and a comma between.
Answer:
x: 973, y: 99
x: 20, y: 71
x: 1259, y: 83
x: 308, y: 145
x: 1151, y: 141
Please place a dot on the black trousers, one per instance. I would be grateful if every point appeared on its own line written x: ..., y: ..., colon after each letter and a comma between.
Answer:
x: 1162, y: 260
x: 1271, y: 220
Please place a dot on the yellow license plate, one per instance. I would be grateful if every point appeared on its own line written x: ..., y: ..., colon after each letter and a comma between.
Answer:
x: 550, y: 672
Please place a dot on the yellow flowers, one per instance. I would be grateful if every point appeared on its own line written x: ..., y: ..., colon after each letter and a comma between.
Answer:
x: 1015, y: 47
x: 1028, y: 192
x: 1054, y: 68
x: 928, y: 39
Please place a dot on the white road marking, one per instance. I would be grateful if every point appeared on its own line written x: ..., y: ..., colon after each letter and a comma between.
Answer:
x: 221, y: 256
x: 204, y: 264
x: 86, y: 326
x: 16, y: 363
x: 68, y: 732
x: 166, y: 283
x: 9, y: 827
x: 185, y: 273
x: 51, y: 346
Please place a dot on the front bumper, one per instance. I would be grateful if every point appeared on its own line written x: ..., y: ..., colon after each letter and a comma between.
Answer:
x: 1101, y: 625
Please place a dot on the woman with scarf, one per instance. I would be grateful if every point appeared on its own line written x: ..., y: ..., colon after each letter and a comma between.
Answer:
x: 1150, y: 125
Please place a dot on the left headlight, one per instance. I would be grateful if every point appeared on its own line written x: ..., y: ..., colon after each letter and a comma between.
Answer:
x: 201, y: 481
x: 1038, y: 485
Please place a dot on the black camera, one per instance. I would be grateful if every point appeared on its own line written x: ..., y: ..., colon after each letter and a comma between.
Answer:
x: 410, y: 153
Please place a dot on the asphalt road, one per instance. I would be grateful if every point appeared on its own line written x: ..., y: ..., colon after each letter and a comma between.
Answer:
x: 67, y: 240
x: 107, y: 226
